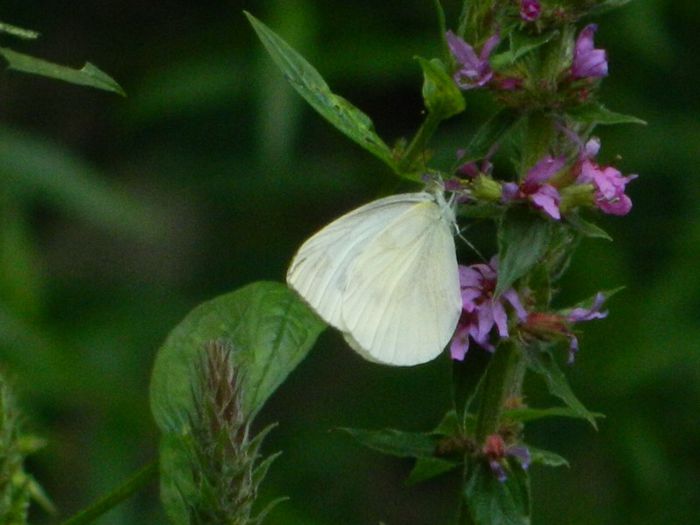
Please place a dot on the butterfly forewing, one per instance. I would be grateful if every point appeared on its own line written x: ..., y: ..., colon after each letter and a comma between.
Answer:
x: 319, y: 270
x: 402, y: 300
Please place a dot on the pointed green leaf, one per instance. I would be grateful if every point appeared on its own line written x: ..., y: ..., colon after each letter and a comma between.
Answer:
x: 546, y: 458
x: 448, y: 426
x: 395, y: 442
x: 26, y: 34
x: 429, y: 468
x: 543, y: 363
x: 494, y: 131
x: 526, y: 414
x: 520, y: 45
x: 308, y: 82
x: 523, y: 239
x: 90, y: 75
x: 441, y: 95
x: 270, y: 329
x: 606, y: 6
x: 492, y: 502
x: 595, y: 113
x: 586, y: 228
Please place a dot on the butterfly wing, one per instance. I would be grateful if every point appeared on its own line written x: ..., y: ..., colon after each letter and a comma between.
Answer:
x: 402, y: 301
x: 319, y: 270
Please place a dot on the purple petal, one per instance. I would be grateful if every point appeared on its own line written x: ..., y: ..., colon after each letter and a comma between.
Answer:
x: 498, y: 470
x: 512, y: 297
x: 588, y: 62
x: 464, y: 53
x: 547, y: 199
x: 485, y: 321
x: 500, y: 318
x: 522, y: 454
x: 460, y: 344
x: 489, y: 46
x: 509, y: 192
x: 578, y: 315
x: 545, y: 169
x: 592, y: 148
x: 573, y: 349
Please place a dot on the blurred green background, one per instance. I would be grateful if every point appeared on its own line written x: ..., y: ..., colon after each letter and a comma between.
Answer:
x: 120, y: 215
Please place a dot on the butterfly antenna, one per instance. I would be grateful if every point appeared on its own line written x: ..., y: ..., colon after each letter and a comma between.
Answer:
x: 470, y: 244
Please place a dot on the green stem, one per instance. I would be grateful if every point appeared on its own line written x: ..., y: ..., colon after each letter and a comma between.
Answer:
x: 463, y: 516
x: 417, y: 146
x: 117, y: 496
x: 501, y: 375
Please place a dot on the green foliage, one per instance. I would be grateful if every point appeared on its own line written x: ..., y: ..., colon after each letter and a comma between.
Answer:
x: 442, y: 97
x: 595, y: 113
x: 17, y: 487
x: 36, y: 168
x: 494, y: 131
x: 270, y: 331
x: 395, y: 442
x: 523, y: 239
x: 89, y: 75
x: 492, y: 502
x: 309, y: 83
x: 586, y: 228
x: 542, y: 362
x: 25, y: 34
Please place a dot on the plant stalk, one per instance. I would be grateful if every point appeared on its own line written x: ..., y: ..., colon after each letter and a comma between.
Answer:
x: 120, y: 494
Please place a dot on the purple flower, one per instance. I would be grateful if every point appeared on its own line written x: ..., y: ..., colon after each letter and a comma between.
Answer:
x: 473, y: 71
x: 534, y: 186
x: 480, y: 311
x: 579, y: 314
x: 609, y: 185
x: 530, y: 10
x: 588, y: 62
x: 559, y: 325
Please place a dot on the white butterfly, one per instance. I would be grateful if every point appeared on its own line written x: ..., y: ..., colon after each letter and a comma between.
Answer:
x: 386, y: 276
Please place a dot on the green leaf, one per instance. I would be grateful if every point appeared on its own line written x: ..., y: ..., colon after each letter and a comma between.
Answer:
x: 448, y: 426
x: 491, y: 502
x: 543, y: 363
x: 546, y: 458
x: 176, y: 482
x: 89, y: 75
x: 395, y: 442
x: 520, y: 45
x: 492, y: 132
x: 271, y: 332
x: 606, y: 6
x: 26, y: 34
x: 37, y: 168
x: 523, y: 239
x: 429, y: 468
x: 596, y: 113
x: 526, y: 414
x: 308, y: 82
x: 586, y: 228
x: 442, y: 30
x: 441, y: 95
